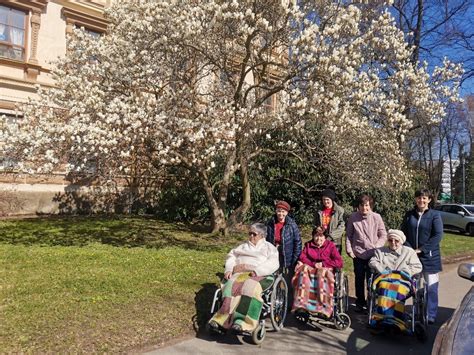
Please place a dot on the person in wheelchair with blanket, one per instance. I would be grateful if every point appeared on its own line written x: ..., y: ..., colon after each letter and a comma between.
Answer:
x: 396, y: 273
x: 248, y: 271
x: 316, y: 275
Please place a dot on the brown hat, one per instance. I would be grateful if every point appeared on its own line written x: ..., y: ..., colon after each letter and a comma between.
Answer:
x: 283, y: 205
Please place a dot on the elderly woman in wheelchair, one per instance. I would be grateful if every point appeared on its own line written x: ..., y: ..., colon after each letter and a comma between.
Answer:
x: 396, y: 277
x: 249, y: 270
x: 320, y: 287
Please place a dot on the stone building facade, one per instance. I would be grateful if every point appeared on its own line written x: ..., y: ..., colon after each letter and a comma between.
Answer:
x: 32, y: 35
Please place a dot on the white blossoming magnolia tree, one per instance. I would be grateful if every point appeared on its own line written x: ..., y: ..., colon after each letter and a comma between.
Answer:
x: 203, y: 84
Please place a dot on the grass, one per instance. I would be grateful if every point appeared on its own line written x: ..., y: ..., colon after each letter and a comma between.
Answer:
x: 80, y: 285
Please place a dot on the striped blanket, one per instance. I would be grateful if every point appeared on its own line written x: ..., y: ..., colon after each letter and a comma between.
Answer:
x: 314, y: 289
x: 242, y: 301
x: 392, y: 290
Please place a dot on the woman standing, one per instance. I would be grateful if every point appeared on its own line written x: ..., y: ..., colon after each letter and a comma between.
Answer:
x: 424, y: 230
x: 365, y: 233
x: 331, y: 218
x: 283, y: 233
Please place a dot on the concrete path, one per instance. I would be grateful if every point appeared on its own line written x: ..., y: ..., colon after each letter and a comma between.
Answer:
x: 316, y: 338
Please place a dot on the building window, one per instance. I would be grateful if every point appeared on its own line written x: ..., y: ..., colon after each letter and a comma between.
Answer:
x: 12, y: 33
x: 92, y: 33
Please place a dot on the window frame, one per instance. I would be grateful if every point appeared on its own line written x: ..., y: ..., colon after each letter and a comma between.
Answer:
x: 25, y: 29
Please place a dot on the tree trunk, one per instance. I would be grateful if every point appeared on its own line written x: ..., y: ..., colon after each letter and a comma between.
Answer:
x: 218, y: 220
x: 238, y: 215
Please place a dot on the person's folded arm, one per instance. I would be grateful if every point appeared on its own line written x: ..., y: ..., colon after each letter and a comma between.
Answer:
x: 297, y: 245
x: 335, y: 259
x: 381, y: 233
x: 270, y: 265
x: 375, y: 262
x: 230, y: 261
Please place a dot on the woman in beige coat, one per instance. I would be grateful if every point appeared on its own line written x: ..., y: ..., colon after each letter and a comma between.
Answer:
x: 396, y: 257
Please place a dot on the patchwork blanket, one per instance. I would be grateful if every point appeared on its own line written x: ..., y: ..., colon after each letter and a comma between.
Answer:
x: 392, y: 290
x: 242, y: 301
x: 314, y: 289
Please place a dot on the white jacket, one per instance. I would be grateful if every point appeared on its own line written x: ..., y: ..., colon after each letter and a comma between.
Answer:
x: 263, y: 257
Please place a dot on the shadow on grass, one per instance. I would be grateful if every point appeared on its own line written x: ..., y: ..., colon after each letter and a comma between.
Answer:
x: 119, y: 231
x: 203, y: 302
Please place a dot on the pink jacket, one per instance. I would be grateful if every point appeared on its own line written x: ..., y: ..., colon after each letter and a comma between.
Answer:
x: 327, y: 254
x: 364, y: 234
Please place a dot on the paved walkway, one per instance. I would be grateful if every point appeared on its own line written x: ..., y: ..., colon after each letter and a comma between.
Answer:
x: 315, y: 338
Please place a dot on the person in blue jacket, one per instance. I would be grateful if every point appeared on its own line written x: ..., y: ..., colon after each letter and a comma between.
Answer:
x: 283, y: 233
x: 423, y: 228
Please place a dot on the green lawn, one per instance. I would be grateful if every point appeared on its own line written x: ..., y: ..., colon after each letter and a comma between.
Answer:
x: 111, y: 285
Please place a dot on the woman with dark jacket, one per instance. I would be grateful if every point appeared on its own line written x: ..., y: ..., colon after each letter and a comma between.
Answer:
x: 283, y: 232
x: 330, y: 217
x: 423, y: 228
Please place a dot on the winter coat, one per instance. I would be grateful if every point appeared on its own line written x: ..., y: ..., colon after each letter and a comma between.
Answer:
x: 263, y: 257
x: 425, y: 233
x: 290, y: 240
x: 326, y: 254
x: 336, y: 225
x: 365, y: 234
x: 402, y: 259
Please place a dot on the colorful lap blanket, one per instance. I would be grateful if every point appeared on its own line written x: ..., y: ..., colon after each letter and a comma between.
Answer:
x: 392, y: 290
x: 314, y: 289
x: 242, y: 301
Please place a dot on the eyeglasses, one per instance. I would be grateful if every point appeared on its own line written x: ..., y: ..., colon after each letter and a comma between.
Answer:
x: 394, y: 240
x: 252, y: 234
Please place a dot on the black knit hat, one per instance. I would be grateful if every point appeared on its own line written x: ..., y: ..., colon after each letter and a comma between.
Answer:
x: 329, y: 193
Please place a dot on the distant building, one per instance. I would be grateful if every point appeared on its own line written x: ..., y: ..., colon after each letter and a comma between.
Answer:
x: 32, y: 34
x: 446, y: 179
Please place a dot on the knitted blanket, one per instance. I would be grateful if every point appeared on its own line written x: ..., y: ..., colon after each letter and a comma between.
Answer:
x: 392, y: 290
x: 314, y: 289
x: 242, y: 301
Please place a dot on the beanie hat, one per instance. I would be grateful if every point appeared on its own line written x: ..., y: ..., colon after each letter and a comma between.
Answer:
x: 283, y: 205
x: 329, y: 193
x: 395, y: 233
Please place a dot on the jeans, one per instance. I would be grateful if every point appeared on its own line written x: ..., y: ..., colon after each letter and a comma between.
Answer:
x: 432, y: 283
x: 362, y: 274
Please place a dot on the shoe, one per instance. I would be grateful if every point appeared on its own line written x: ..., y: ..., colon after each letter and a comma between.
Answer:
x: 213, y: 325
x: 431, y: 321
x: 236, y: 328
x: 360, y: 309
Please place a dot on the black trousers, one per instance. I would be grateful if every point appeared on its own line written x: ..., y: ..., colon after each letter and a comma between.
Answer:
x: 362, y: 274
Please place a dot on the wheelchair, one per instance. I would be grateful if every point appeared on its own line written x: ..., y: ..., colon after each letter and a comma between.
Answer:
x: 275, y: 307
x: 339, y: 315
x: 416, y: 319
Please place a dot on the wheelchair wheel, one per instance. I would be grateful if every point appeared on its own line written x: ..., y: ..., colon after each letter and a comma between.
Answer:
x: 258, y: 335
x: 279, y: 303
x: 343, y: 295
x: 342, y: 321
